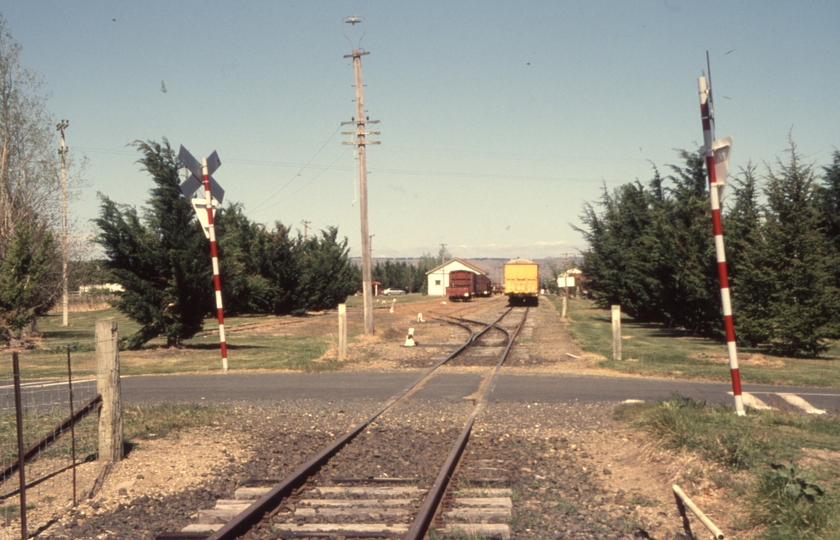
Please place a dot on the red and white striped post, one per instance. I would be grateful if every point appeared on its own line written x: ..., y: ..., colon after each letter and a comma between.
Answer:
x: 217, y: 282
x: 714, y: 197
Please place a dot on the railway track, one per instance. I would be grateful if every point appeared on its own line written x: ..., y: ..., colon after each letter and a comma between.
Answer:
x: 321, y: 499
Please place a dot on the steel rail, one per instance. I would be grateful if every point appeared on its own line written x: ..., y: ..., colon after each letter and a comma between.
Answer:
x: 424, y: 517
x: 249, y: 517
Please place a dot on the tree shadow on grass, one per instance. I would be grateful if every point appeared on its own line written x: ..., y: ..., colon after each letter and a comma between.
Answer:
x: 215, y: 346
x: 67, y: 335
x: 202, y: 347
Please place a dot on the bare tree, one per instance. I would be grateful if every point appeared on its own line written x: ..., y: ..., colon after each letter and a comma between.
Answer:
x: 30, y: 190
x: 29, y: 179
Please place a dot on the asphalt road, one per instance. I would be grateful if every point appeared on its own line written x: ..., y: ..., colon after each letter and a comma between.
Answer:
x: 263, y: 387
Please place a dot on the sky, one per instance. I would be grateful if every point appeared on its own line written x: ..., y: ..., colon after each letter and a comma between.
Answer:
x: 499, y: 120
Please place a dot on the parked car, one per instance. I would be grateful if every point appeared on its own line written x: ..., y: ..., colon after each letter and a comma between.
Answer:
x: 393, y: 292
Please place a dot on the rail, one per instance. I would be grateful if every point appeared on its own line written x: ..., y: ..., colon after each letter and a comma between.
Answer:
x: 244, y: 521
x: 427, y: 511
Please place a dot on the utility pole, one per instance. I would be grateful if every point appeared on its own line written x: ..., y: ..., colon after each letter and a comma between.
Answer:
x: 442, y: 253
x: 305, y: 228
x: 360, y: 142
x: 61, y: 126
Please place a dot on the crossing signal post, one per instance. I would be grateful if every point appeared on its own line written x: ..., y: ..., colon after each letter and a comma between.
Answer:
x: 203, y: 171
x: 717, y: 165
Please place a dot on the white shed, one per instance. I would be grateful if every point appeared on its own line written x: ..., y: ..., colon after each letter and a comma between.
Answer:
x: 437, y: 279
x: 567, y: 278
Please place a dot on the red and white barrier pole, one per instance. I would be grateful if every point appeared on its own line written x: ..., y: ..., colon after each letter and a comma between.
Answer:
x: 217, y: 282
x: 708, y: 139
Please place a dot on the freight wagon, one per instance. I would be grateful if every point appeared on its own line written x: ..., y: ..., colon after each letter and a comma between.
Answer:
x: 461, y: 285
x: 522, y: 281
x: 483, y: 286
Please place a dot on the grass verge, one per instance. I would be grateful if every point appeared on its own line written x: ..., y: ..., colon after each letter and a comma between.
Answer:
x: 789, y: 465
x: 247, y: 350
x: 159, y: 420
x: 650, y: 349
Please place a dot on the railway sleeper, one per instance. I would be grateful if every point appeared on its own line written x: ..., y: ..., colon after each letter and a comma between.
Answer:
x: 481, y: 512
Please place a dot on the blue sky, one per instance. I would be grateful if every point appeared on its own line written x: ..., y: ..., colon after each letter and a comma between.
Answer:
x: 498, y: 119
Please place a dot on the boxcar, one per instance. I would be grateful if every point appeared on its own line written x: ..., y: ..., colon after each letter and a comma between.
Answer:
x: 483, y: 286
x: 522, y: 281
x: 461, y: 285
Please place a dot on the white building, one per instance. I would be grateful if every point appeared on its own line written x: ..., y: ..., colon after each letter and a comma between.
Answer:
x: 567, y: 278
x: 437, y: 279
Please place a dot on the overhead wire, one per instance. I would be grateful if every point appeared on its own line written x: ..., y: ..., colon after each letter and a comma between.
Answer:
x: 328, y: 167
x: 299, y: 171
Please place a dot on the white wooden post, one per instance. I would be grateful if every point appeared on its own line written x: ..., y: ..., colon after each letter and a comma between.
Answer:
x: 565, y: 303
x: 616, y: 332
x: 108, y: 386
x: 342, y: 332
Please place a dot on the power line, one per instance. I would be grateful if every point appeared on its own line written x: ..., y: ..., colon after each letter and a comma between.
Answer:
x: 299, y: 171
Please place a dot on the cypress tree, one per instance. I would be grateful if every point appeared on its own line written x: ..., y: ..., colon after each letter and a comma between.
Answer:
x: 829, y: 207
x: 24, y: 270
x: 161, y: 259
x: 693, y: 293
x: 327, y: 276
x: 748, y: 256
x: 804, y: 302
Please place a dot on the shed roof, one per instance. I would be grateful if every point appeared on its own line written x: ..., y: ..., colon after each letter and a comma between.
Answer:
x: 471, y: 266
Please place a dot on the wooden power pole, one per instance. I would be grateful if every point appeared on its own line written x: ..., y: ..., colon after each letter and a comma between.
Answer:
x: 360, y: 120
x: 64, y: 124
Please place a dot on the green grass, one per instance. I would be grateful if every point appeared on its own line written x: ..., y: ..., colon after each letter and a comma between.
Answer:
x: 246, y: 351
x: 36, y: 425
x: 758, y: 445
x: 383, y: 302
x: 653, y: 350
x: 159, y: 420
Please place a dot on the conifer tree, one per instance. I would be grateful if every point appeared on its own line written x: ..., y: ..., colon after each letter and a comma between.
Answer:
x: 804, y: 302
x: 326, y: 274
x: 692, y: 298
x: 747, y: 253
x: 24, y: 269
x: 829, y: 207
x: 161, y: 259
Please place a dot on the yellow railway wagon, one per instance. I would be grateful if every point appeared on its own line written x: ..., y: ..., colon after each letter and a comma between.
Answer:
x: 522, y: 281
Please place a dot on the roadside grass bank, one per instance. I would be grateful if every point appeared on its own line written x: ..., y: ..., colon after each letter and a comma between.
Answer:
x: 156, y: 421
x: 248, y: 350
x: 782, y: 470
x: 650, y: 349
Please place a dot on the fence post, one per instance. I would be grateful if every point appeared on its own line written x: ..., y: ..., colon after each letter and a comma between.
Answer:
x: 21, y: 462
x: 72, y: 424
x: 616, y: 332
x: 108, y: 386
x: 342, y: 332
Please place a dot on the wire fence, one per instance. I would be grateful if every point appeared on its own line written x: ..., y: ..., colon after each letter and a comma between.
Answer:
x: 59, y: 466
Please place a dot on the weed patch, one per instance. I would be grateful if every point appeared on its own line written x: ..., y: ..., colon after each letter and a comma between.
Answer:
x: 791, y: 506
x: 159, y: 420
x: 785, y: 500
